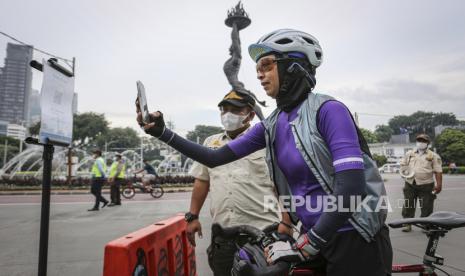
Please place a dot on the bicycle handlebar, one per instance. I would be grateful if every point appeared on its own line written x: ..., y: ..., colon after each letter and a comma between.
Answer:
x: 261, y: 237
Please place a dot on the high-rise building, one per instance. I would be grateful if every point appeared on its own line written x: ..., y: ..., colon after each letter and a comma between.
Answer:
x: 16, y: 131
x: 15, y: 84
x: 3, y: 128
x: 1, y: 82
x: 34, y: 107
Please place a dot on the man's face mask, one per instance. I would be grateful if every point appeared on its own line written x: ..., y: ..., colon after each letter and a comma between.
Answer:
x: 422, y: 145
x: 232, y: 121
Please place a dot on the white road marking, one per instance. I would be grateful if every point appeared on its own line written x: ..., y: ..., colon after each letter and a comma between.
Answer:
x: 90, y: 202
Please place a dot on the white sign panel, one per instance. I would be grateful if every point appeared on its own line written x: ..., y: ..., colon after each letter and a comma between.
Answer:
x: 56, y: 106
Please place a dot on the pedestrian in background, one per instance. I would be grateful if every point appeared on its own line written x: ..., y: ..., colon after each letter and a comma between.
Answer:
x: 423, y: 164
x: 98, y: 179
x: 452, y: 167
x: 117, y: 177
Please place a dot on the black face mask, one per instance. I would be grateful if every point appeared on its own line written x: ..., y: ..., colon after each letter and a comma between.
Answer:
x: 296, y: 82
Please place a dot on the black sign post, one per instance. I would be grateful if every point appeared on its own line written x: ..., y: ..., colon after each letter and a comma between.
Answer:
x: 47, y: 157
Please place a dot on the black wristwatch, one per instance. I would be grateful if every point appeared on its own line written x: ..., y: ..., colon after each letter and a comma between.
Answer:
x: 189, y: 217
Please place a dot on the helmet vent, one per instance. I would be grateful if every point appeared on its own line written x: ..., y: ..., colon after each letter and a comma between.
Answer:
x: 308, y: 40
x: 284, y: 41
x: 268, y: 36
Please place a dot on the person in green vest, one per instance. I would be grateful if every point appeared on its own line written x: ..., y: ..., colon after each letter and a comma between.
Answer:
x: 116, y: 178
x: 98, y: 179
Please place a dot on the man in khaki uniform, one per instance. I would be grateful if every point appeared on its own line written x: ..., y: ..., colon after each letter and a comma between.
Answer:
x: 237, y: 189
x: 421, y: 164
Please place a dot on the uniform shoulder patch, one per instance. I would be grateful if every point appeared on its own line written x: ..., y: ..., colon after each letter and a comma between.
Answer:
x: 214, y: 141
x: 430, y: 155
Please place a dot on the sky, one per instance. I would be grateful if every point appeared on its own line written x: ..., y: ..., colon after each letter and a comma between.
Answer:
x: 381, y: 58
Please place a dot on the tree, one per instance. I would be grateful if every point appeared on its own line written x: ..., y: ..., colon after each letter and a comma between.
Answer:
x: 11, y: 141
x: 383, y: 133
x: 121, y: 138
x: 421, y: 122
x: 12, y: 151
x: 89, y: 124
x: 455, y: 153
x: 152, y: 155
x: 34, y: 129
x: 370, y: 137
x: 450, y: 145
x: 12, y: 148
x: 202, y: 131
x: 380, y: 159
x: 446, y: 119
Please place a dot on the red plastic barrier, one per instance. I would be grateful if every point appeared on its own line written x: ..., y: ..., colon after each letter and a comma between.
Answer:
x: 160, y: 249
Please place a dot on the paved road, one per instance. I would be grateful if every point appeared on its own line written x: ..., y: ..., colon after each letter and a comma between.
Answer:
x: 78, y: 237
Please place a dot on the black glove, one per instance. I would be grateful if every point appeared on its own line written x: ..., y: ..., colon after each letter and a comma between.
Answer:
x: 156, y: 127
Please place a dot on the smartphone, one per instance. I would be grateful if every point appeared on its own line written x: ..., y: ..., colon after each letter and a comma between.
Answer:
x: 143, y: 102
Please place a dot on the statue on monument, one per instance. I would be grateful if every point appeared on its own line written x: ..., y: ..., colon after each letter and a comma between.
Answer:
x: 238, y: 19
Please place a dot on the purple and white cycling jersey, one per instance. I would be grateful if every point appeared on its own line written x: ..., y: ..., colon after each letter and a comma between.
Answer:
x: 336, y: 127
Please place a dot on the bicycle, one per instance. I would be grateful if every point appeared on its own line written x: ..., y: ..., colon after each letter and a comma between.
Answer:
x: 436, y: 226
x: 129, y: 189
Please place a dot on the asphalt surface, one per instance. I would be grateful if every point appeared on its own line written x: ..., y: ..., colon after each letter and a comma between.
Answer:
x: 77, y: 237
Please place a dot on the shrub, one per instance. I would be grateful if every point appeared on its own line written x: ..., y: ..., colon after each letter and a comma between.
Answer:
x: 380, y: 159
x: 459, y: 170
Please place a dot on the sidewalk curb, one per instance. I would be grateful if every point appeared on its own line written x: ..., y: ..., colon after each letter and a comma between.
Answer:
x: 5, y: 193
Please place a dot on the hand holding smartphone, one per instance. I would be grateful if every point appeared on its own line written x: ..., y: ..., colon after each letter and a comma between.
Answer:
x: 142, y: 102
x: 152, y: 124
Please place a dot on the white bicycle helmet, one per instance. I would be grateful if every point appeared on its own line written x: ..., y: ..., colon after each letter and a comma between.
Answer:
x: 285, y: 41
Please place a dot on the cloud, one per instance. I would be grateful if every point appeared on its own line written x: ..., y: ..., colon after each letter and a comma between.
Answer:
x: 392, y: 97
x: 454, y: 66
x: 373, y: 63
x: 407, y: 90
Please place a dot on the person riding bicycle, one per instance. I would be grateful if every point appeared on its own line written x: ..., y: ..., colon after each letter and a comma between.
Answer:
x: 149, y: 175
x: 315, y: 151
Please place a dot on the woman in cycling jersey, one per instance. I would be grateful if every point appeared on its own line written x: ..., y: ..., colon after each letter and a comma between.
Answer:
x: 314, y: 149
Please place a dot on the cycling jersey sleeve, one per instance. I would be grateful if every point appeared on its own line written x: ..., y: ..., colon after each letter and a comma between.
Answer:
x: 348, y: 183
x: 236, y: 149
x: 338, y: 130
x: 250, y: 142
